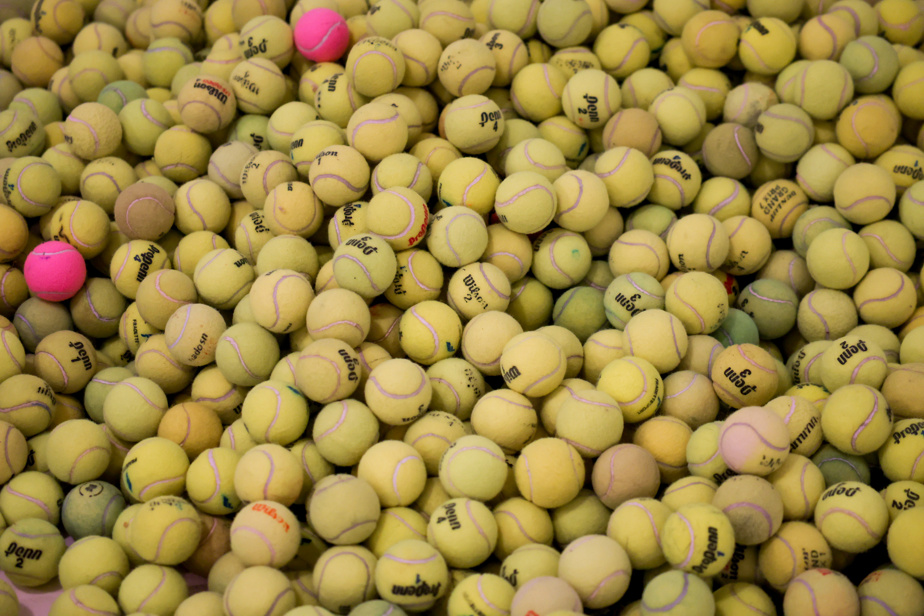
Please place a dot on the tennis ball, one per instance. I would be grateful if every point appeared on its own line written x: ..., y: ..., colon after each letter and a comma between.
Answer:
x: 838, y: 466
x: 31, y: 549
x: 210, y: 481
x: 343, y: 526
x: 855, y: 126
x: 15, y: 451
x: 34, y: 60
x: 80, y: 451
x: 688, y: 490
x: 340, y: 314
x: 91, y: 508
x: 192, y: 333
x: 635, y: 384
x: 751, y: 432
x: 819, y: 168
x: 473, y: 467
x: 864, y: 193
x: 532, y: 364
x: 840, y: 310
x: 640, y: 251
x: 269, y: 472
x: 838, y: 258
x: 689, y: 396
x: 549, y: 472
x: 637, y: 525
x: 658, y: 337
x: 666, y: 439
x: 194, y: 426
x: 394, y: 525
x: 753, y: 506
x: 548, y: 594
x: 411, y: 574
x: 889, y: 589
x: 395, y: 471
x: 31, y: 494
x: 703, y: 459
x: 744, y: 375
x: 897, y: 453
x: 152, y: 587
x: 834, y: 591
x: 246, y: 353
x: 677, y: 592
x: 430, y: 331
x: 327, y: 370
x: 698, y: 538
x: 629, y: 295
x: 94, y: 560
x: 154, y: 467
x: 165, y: 531
x: 31, y: 186
x: 207, y: 104
x: 93, y: 131
x: 265, y: 533
x: 903, y: 531
x: 852, y: 516
x: 800, y: 484
x: 344, y: 430
x: 699, y: 301
x: 345, y: 577
x: 803, y: 420
x: 464, y: 531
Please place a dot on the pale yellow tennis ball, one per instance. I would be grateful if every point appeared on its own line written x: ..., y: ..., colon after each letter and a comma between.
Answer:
x: 327, y: 370
x: 265, y: 533
x: 181, y: 153
x: 549, y: 472
x: 532, y: 364
x: 35, y: 60
x: 681, y: 114
x: 864, y: 193
x: 32, y: 549
x: 337, y: 523
x: 473, y: 467
x: 398, y: 391
x: 375, y: 66
x: 744, y: 375
x: 767, y: 45
x: 277, y: 595
x: 165, y: 531
x: 838, y: 258
x: 430, y: 331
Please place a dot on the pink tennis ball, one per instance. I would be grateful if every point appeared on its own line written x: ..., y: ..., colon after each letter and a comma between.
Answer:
x: 322, y: 35
x: 55, y: 271
x: 754, y: 440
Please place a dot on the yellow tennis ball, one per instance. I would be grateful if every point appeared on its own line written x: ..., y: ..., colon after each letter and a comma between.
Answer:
x: 31, y: 549
x: 398, y: 391
x: 464, y: 531
x: 327, y: 370
x: 635, y: 384
x: 852, y: 516
x: 395, y: 471
x: 677, y: 592
x: 698, y: 538
x: 344, y: 430
x: 165, y: 531
x: 658, y: 337
x: 80, y: 451
x: 375, y: 66
x: 868, y: 126
x: 890, y: 589
x: 34, y: 60
x: 343, y: 509
x: 265, y: 533
x: 549, y: 472
x: 412, y: 574
x: 838, y: 258
x: 532, y: 364
x: 430, y: 331
x: 753, y: 506
x: 154, y: 467
x: 210, y: 481
x: 473, y: 467
x: 666, y: 439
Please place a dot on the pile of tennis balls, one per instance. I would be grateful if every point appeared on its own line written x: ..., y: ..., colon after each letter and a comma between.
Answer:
x: 489, y: 307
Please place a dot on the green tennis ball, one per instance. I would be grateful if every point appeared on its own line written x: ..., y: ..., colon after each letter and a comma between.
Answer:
x: 91, y: 508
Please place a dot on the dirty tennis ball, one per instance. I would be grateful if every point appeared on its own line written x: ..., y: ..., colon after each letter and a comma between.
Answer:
x: 31, y: 536
x: 343, y: 527
x: 264, y: 533
x: 144, y: 211
x: 800, y: 484
x: 91, y: 508
x: 193, y: 425
x: 93, y: 131
x: 852, y: 516
x: 754, y: 440
x: 466, y: 67
x: 753, y: 506
x: 772, y: 305
x: 681, y: 114
x: 79, y: 451
x: 246, y: 354
x: 525, y: 202
x: 868, y: 126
